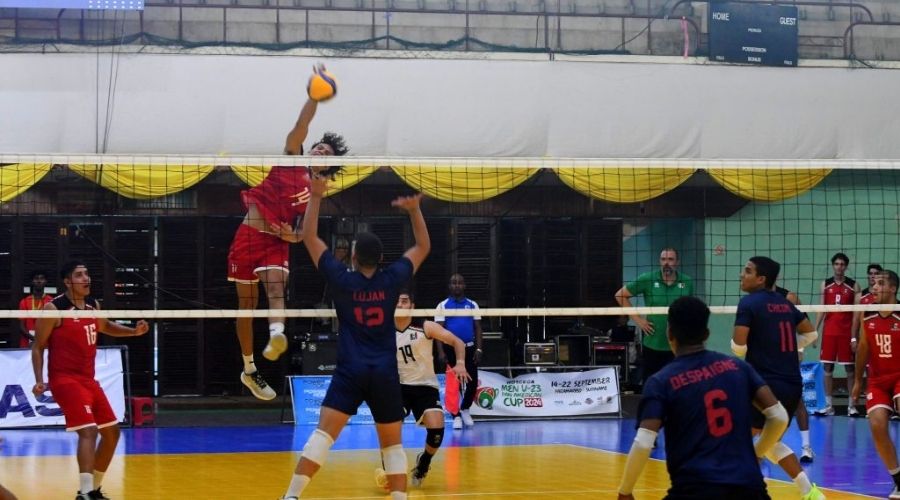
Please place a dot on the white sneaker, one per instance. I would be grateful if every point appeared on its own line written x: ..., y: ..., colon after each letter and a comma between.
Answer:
x: 825, y: 412
x: 381, y: 479
x: 466, y: 418
x: 457, y: 423
x: 257, y: 386
x: 895, y: 493
x: 853, y: 412
x: 276, y: 346
x: 807, y: 455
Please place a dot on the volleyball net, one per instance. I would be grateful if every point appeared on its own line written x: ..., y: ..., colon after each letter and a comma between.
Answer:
x: 543, y: 243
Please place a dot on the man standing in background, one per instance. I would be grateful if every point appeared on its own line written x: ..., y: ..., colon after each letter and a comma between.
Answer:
x: 468, y: 329
x: 837, y: 340
x: 659, y: 289
x: 34, y: 301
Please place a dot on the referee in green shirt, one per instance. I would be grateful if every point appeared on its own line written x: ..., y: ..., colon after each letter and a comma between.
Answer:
x: 659, y: 289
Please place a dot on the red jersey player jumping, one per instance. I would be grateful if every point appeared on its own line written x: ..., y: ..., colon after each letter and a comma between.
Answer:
x: 260, y: 249
x: 73, y: 349
x: 881, y: 330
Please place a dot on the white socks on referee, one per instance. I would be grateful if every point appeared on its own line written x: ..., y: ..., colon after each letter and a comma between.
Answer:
x: 803, y: 483
x: 85, y: 482
x: 249, y: 366
x: 298, y: 484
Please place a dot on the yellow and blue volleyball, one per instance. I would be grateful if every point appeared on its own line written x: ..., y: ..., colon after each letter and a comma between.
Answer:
x: 322, y: 85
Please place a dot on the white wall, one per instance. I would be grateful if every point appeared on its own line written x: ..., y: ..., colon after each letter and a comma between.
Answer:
x: 246, y: 104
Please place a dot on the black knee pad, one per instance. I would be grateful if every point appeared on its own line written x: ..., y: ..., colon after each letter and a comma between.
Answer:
x: 434, y: 437
x: 828, y: 367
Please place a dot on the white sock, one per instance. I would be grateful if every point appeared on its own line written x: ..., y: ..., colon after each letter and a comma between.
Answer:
x: 827, y: 400
x: 803, y: 483
x: 398, y: 495
x: 275, y: 328
x: 98, y: 479
x: 249, y: 367
x: 804, y: 436
x: 85, y: 480
x: 894, y: 471
x: 298, y: 484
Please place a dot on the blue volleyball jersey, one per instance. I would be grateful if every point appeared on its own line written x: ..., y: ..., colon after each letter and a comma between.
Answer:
x: 704, y: 400
x: 365, y: 310
x: 772, y: 342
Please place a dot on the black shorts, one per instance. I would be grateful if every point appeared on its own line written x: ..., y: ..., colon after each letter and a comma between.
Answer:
x: 716, y: 492
x: 790, y: 396
x: 417, y: 399
x: 379, y: 388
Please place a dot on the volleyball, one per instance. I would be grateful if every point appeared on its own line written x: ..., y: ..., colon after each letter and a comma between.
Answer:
x: 322, y: 85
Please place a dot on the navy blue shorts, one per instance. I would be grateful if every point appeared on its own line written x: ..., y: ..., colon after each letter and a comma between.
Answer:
x: 379, y: 388
x: 790, y: 396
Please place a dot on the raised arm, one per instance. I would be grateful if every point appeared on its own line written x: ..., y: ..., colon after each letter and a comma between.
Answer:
x: 314, y: 245
x: 417, y: 253
x: 297, y: 135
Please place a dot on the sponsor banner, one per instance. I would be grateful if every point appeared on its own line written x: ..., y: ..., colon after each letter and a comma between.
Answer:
x: 594, y: 392
x: 20, y: 408
x: 813, y: 385
x: 308, y: 391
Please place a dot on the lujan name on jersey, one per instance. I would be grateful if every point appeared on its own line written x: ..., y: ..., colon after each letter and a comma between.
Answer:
x: 414, y: 357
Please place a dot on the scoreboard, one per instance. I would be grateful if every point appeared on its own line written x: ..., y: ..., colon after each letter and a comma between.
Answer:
x: 75, y: 4
x: 753, y: 33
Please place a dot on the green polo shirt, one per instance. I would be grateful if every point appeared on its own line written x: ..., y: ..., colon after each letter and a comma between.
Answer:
x: 657, y: 293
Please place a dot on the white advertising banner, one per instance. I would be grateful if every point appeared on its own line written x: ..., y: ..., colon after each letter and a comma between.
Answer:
x: 594, y: 392
x: 20, y: 408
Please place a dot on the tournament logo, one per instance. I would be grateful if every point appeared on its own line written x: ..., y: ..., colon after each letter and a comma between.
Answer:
x: 485, y: 397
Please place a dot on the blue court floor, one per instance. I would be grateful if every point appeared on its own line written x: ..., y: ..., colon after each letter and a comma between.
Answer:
x: 845, y: 458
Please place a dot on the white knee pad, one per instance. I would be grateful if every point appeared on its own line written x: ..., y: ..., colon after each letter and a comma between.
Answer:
x: 779, y: 452
x: 317, y: 447
x: 394, y: 459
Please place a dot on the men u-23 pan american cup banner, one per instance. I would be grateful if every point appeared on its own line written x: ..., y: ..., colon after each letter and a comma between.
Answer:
x: 20, y: 408
x: 594, y: 392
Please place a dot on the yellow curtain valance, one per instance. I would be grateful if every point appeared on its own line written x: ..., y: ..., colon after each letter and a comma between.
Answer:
x: 768, y: 184
x: 458, y: 184
x: 144, y: 181
x: 623, y: 185
x: 15, y: 179
x: 347, y: 177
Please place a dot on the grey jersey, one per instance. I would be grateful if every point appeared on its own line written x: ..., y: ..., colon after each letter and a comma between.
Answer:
x: 414, y: 357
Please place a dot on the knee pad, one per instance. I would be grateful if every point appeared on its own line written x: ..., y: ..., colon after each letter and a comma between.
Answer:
x: 828, y: 367
x: 317, y: 447
x: 779, y: 452
x: 394, y: 460
x: 434, y: 437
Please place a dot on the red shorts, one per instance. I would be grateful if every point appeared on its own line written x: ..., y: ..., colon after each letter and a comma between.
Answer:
x: 836, y: 348
x: 253, y: 251
x: 83, y: 403
x: 882, y: 392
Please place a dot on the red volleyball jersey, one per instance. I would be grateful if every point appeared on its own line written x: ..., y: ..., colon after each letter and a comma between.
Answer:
x: 282, y: 195
x: 882, y: 333
x: 838, y: 294
x: 73, y: 344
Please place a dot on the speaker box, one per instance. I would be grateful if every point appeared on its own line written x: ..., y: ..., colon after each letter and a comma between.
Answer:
x: 319, y: 358
x: 496, y: 352
x: 574, y: 350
